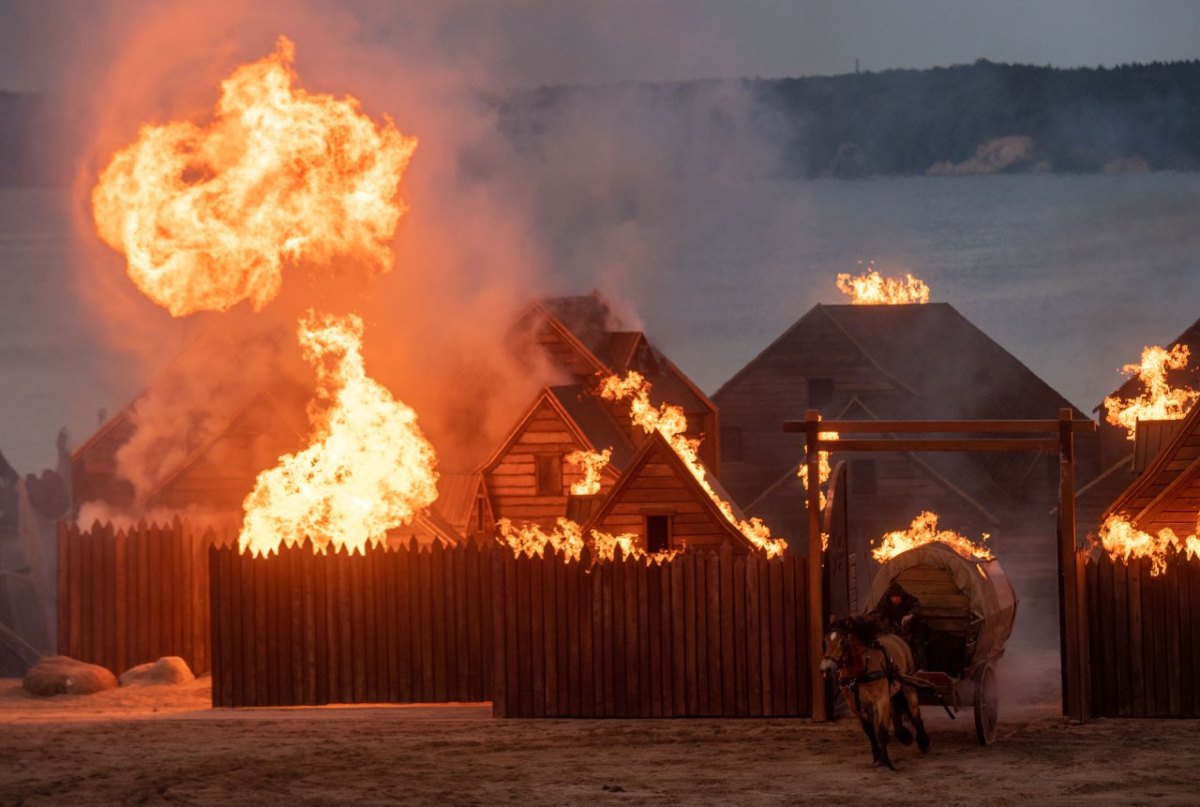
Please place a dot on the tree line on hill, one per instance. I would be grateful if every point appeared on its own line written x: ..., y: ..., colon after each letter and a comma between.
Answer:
x: 967, y: 119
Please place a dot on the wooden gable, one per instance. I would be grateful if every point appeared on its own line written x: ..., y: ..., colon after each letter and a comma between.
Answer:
x: 534, y: 456
x: 658, y: 484
x: 1167, y: 494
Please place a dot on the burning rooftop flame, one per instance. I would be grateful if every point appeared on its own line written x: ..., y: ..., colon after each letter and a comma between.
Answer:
x: 671, y: 423
x: 924, y: 530
x: 872, y: 288
x: 1159, y: 401
x: 207, y: 216
x: 369, y: 468
x: 531, y: 540
x: 1124, y: 542
x: 592, y: 463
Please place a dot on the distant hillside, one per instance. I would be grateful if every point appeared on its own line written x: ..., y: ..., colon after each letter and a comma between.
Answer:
x: 980, y: 118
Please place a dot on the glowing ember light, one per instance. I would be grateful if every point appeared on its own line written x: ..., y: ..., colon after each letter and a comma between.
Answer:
x: 1159, y: 401
x: 872, y: 288
x: 531, y: 540
x: 592, y: 463
x: 824, y: 469
x: 368, y: 469
x: 924, y: 530
x: 207, y: 216
x: 670, y: 422
x: 1124, y: 542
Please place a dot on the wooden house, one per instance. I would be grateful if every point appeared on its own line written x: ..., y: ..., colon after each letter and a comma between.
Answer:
x: 1122, y: 460
x: 585, y: 340
x: 528, y: 478
x: 658, y: 499
x: 897, y: 362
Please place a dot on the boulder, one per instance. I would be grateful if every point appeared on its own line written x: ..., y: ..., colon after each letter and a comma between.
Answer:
x: 167, y: 670
x: 61, y: 675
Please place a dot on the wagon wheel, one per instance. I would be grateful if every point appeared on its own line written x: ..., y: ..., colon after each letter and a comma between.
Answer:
x: 987, y: 704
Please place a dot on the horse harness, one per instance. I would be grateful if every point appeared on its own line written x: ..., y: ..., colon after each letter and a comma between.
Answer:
x: 890, y: 671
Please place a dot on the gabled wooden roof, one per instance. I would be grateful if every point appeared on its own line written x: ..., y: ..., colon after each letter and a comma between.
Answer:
x: 583, y: 416
x: 656, y: 447
x: 456, y: 497
x: 1167, y: 494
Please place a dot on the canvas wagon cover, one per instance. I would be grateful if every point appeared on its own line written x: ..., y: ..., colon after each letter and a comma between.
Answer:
x: 987, y: 587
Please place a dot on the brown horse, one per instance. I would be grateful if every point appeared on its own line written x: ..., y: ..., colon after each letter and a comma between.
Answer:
x: 869, y: 667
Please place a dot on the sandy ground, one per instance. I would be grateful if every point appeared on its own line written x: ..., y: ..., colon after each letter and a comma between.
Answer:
x: 166, y: 746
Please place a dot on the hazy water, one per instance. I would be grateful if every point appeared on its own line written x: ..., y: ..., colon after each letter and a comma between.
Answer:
x: 1072, y: 274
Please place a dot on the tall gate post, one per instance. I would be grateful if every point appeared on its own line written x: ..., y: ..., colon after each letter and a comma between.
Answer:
x: 816, y: 594
x: 1074, y: 699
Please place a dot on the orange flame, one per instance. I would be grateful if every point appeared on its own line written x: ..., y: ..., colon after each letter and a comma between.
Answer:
x: 824, y: 469
x: 369, y: 468
x: 872, y: 288
x: 531, y: 540
x: 1124, y: 542
x: 208, y: 216
x: 606, y: 546
x: 670, y: 421
x: 1159, y: 401
x: 924, y: 530
x: 592, y: 463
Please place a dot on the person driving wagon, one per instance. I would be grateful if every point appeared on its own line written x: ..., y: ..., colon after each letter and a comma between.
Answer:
x: 899, y: 612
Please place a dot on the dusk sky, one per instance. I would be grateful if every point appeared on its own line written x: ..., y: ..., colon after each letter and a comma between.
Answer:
x: 534, y: 42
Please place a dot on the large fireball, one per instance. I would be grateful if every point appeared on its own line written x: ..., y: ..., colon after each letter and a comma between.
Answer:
x: 208, y: 216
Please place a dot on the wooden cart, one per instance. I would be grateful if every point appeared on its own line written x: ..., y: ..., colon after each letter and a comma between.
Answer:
x: 969, y: 607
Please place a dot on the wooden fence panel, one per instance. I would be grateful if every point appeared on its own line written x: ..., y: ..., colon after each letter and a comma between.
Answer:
x: 385, y: 626
x: 704, y: 635
x: 1143, y: 637
x: 130, y: 596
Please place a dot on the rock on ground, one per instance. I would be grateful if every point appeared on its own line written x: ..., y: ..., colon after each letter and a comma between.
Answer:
x: 167, y: 670
x: 62, y: 675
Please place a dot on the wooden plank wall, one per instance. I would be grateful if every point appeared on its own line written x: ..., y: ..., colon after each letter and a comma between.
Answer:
x: 411, y: 625
x: 708, y: 634
x: 126, y: 597
x: 1143, y: 637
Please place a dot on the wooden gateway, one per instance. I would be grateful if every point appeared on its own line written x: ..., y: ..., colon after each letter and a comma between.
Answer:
x: 969, y: 607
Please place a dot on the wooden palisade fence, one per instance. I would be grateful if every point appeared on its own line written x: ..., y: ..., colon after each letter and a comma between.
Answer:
x: 130, y: 596
x: 718, y: 634
x: 410, y: 625
x: 1142, y: 635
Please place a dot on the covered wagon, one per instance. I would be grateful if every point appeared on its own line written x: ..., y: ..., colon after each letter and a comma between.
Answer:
x: 968, y: 606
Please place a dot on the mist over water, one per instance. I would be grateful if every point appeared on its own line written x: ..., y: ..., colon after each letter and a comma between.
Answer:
x: 1072, y: 274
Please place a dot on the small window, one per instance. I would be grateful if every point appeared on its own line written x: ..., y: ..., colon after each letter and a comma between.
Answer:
x: 863, y: 478
x: 549, y: 475
x: 658, y: 533
x: 480, y: 507
x: 731, y: 444
x: 820, y: 391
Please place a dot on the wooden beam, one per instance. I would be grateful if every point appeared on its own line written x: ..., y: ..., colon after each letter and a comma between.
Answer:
x: 946, y: 444
x: 1050, y: 427
x: 816, y: 594
x: 1074, y: 699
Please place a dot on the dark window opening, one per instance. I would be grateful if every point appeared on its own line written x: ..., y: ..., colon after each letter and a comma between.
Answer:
x: 658, y: 533
x: 480, y: 505
x: 731, y: 444
x: 820, y: 391
x: 549, y: 475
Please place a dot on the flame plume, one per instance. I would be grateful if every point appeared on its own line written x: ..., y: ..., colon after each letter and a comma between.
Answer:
x: 208, y: 216
x: 1124, y: 542
x: 592, y: 463
x: 368, y: 469
x: 924, y: 530
x: 824, y: 469
x: 531, y: 540
x: 872, y: 288
x: 670, y: 421
x: 1159, y: 401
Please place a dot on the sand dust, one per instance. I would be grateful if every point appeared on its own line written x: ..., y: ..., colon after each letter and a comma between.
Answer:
x: 164, y: 745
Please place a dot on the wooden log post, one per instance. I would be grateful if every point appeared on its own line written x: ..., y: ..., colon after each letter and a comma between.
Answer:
x: 816, y: 594
x: 1074, y: 673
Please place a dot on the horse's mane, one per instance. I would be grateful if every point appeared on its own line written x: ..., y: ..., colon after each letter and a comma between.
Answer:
x: 865, y: 629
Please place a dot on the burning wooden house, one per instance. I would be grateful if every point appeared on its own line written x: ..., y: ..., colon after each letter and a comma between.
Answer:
x: 896, y: 362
